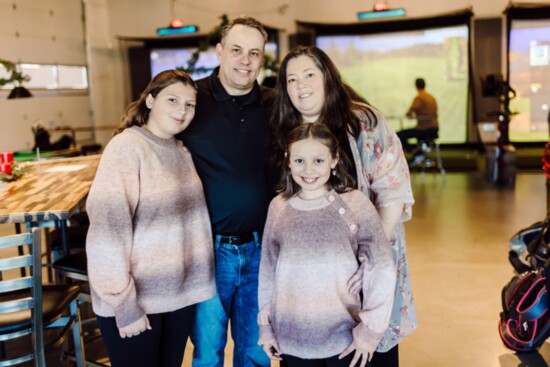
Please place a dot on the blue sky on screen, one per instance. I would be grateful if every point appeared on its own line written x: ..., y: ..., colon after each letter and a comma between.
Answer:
x: 520, y: 38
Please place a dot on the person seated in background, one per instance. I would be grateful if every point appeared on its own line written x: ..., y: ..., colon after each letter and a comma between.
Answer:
x: 424, y: 109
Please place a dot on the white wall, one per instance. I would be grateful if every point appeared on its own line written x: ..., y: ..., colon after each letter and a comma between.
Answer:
x: 46, y: 32
x: 51, y: 31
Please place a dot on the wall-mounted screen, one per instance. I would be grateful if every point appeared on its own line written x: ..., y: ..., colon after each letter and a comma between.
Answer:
x: 382, y: 67
x: 173, y: 58
x: 529, y: 66
x: 166, y: 59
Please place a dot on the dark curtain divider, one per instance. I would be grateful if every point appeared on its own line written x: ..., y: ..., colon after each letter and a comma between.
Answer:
x: 439, y: 21
x: 184, y: 41
x: 528, y: 11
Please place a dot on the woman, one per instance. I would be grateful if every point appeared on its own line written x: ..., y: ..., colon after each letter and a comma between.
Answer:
x: 310, y: 89
x: 149, y: 246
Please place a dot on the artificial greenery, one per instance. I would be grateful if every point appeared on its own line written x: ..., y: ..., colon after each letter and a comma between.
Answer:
x: 211, y: 39
x: 17, y: 170
x: 270, y: 63
x: 15, y: 75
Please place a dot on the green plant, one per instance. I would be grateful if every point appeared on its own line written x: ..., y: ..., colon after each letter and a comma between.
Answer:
x: 270, y: 63
x: 211, y: 39
x: 15, y: 75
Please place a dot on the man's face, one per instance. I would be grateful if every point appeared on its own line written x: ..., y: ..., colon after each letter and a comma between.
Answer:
x: 241, y: 57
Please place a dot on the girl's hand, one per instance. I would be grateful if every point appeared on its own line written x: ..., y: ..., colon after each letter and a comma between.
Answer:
x: 355, y: 283
x: 272, y: 351
x: 363, y: 354
x: 135, y: 328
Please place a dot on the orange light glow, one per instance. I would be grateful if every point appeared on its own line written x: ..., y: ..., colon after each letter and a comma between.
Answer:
x: 176, y: 23
x: 380, y: 6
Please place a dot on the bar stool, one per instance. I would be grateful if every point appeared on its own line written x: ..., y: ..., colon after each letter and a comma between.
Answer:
x: 74, y: 268
x: 28, y: 308
x: 427, y: 155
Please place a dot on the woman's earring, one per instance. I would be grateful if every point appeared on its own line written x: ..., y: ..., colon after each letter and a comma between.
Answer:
x: 334, y: 172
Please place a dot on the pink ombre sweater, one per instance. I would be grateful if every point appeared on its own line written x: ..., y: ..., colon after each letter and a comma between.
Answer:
x: 149, y: 245
x: 310, y: 250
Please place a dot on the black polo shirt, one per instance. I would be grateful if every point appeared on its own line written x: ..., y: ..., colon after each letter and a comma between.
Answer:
x: 229, y: 141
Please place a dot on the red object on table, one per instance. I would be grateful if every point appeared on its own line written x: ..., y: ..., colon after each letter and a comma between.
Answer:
x: 6, y: 157
x: 5, y: 168
x: 546, y: 160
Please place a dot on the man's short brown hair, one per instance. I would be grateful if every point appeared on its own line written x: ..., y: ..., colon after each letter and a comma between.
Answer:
x: 246, y: 21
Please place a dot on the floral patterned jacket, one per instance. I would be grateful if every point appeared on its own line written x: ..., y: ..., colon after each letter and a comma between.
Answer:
x: 383, y: 175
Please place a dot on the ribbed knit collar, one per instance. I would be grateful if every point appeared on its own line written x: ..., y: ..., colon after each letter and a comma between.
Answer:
x: 150, y: 136
x: 315, y: 204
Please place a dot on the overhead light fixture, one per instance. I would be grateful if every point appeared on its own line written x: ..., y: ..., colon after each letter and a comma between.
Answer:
x: 19, y: 92
x: 17, y: 77
x: 177, y: 30
x: 380, y: 6
x: 176, y: 25
x: 381, y: 10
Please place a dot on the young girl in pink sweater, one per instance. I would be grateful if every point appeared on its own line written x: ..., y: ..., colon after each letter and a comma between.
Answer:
x: 318, y: 231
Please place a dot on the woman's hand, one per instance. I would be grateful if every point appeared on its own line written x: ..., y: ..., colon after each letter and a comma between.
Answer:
x: 363, y: 354
x: 355, y: 283
x: 389, y: 216
x: 135, y: 328
x: 272, y: 351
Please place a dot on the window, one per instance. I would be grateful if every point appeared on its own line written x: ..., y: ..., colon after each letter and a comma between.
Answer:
x: 54, y: 77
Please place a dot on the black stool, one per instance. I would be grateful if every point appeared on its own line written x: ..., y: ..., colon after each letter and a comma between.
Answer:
x: 427, y: 155
x: 74, y: 267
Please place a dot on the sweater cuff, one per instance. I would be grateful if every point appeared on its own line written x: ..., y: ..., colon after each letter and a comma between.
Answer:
x: 267, y: 336
x: 366, y: 338
x: 128, y: 312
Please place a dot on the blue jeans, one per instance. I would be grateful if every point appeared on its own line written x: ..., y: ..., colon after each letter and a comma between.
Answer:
x: 236, y: 299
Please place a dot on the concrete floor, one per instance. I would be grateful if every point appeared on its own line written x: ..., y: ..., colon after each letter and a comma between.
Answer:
x: 457, y: 247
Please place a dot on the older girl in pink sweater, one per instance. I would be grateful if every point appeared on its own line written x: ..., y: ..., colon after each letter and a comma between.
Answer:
x: 149, y: 246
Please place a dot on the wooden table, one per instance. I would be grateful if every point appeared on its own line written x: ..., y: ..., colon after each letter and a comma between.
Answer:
x: 52, y: 191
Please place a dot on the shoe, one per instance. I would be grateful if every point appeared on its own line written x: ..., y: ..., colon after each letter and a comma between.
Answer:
x: 417, y: 159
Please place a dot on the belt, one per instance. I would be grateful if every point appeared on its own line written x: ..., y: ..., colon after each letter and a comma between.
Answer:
x: 237, y: 239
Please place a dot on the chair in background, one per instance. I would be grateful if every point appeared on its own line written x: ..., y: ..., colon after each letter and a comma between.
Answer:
x: 29, y: 308
x: 89, y: 149
x: 427, y: 155
x: 73, y: 268
x: 61, y: 236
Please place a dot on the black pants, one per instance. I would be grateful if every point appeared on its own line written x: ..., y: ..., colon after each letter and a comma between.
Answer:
x: 162, y: 346
x: 292, y: 361
x: 387, y: 359
x: 405, y: 135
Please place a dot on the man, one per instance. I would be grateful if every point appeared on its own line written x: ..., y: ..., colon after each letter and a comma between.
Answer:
x: 229, y: 142
x: 424, y: 108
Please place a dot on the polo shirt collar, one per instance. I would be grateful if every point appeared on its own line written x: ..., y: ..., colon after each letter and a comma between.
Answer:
x: 220, y: 94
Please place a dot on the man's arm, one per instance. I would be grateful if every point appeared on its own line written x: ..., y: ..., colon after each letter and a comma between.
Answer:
x: 414, y: 108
